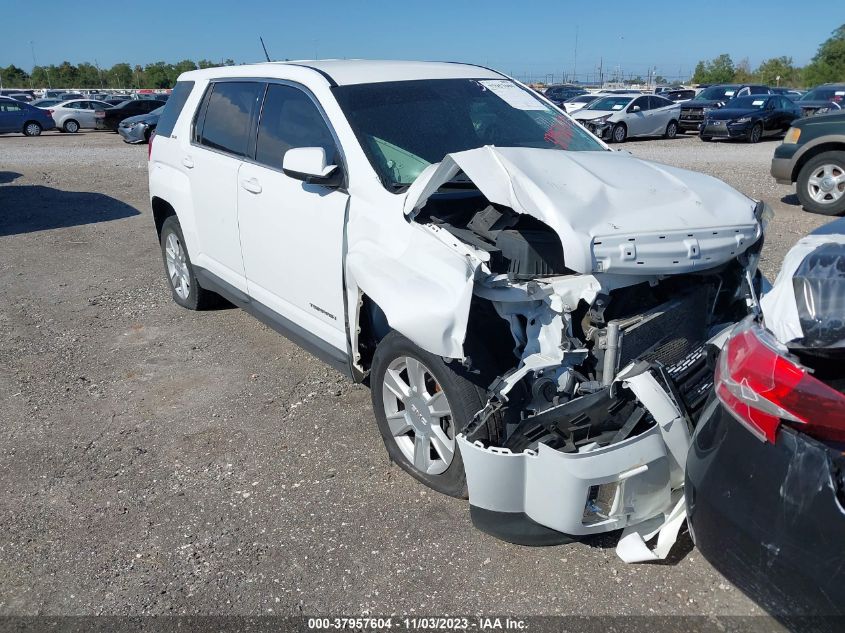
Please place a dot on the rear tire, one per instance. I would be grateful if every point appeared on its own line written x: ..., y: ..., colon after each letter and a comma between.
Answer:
x: 71, y: 126
x: 179, y: 271
x: 32, y: 128
x: 671, y: 130
x: 814, y: 194
x: 414, y: 429
x: 706, y: 139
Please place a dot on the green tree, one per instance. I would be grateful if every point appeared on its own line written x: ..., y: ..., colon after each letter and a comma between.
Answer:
x: 65, y: 75
x: 120, y: 75
x: 88, y: 76
x: 717, y: 71
x: 742, y: 72
x: 829, y: 62
x: 206, y: 63
x: 158, y: 75
x: 40, y: 77
x: 777, y: 67
x: 14, y: 77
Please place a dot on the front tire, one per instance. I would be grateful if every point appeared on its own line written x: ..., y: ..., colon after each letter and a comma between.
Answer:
x: 671, y: 130
x: 421, y: 403
x: 32, y: 128
x: 821, y: 184
x: 71, y: 126
x: 181, y: 278
x: 755, y: 133
x: 619, y: 133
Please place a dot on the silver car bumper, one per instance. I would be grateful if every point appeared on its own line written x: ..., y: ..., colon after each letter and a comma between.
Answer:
x: 133, y: 134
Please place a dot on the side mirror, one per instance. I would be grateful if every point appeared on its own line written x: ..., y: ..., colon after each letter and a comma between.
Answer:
x: 634, y: 109
x: 308, y: 164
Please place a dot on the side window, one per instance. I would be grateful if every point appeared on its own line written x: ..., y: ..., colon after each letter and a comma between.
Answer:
x: 171, y: 112
x: 8, y: 106
x: 658, y: 102
x: 228, y: 116
x: 759, y: 90
x: 642, y: 102
x: 290, y: 119
x: 73, y: 105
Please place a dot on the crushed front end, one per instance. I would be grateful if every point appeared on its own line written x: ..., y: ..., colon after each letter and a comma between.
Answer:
x: 610, y: 339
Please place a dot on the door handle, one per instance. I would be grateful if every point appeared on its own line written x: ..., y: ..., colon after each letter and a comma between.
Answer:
x: 188, y: 162
x: 251, y: 184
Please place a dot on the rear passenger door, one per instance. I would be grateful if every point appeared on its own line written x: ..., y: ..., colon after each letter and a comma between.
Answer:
x: 292, y: 232
x: 11, y: 116
x: 221, y: 138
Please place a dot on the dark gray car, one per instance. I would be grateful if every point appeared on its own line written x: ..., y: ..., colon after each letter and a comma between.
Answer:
x: 137, y: 129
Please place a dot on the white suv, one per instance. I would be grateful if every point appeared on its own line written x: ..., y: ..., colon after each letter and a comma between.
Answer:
x: 530, y: 309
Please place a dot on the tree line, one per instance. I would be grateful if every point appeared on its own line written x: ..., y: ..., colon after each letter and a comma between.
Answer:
x: 828, y: 65
x: 87, y: 75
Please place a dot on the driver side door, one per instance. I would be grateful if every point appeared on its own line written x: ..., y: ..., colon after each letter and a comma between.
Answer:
x: 637, y: 122
x: 292, y: 232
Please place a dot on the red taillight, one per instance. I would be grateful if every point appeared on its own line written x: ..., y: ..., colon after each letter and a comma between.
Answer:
x: 50, y: 112
x: 150, y: 145
x: 761, y: 388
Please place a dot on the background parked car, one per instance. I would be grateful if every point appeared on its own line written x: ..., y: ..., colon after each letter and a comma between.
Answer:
x: 576, y: 103
x: 138, y: 129
x: 617, y: 117
x: 21, y: 96
x: 684, y: 94
x: 765, y: 475
x: 67, y: 96
x: 113, y: 101
x: 110, y: 118
x: 559, y: 93
x: 76, y: 114
x: 713, y: 97
x: 813, y: 156
x: 792, y: 93
x: 823, y: 99
x: 16, y: 116
x: 750, y: 118
x: 45, y: 103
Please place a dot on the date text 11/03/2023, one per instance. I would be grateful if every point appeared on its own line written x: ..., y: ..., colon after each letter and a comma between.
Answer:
x: 418, y: 623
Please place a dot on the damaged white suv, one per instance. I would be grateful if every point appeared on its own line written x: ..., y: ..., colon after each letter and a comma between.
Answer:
x: 531, y: 309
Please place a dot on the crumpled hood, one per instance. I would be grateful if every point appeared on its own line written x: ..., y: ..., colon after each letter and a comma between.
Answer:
x: 612, y: 212
x: 589, y: 115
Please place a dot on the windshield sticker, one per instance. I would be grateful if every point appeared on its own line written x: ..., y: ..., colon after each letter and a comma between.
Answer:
x: 617, y: 106
x: 513, y: 95
x: 758, y: 102
x: 839, y: 93
x: 730, y: 93
x: 560, y: 132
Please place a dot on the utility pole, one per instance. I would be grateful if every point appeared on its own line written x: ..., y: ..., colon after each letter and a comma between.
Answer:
x: 575, y: 60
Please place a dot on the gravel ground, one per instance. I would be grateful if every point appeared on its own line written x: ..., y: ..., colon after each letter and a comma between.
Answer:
x: 159, y: 461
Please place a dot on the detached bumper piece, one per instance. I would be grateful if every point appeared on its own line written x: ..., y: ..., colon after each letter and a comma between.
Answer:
x: 625, y: 481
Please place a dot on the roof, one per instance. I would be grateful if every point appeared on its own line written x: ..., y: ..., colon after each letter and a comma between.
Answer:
x: 344, y: 72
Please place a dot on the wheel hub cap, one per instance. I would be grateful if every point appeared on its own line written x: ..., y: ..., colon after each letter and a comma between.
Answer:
x: 177, y: 266
x: 418, y: 415
x: 827, y: 184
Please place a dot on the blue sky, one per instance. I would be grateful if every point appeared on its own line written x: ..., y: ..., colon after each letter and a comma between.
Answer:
x: 525, y: 38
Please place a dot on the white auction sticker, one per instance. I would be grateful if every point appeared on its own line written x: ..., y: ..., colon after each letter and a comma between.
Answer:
x: 513, y: 95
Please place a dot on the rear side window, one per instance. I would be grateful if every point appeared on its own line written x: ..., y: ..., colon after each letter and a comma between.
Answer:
x: 10, y: 106
x: 228, y: 116
x: 290, y: 119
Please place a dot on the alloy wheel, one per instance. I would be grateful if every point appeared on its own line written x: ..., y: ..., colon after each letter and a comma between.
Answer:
x: 177, y: 266
x: 826, y: 184
x: 418, y: 415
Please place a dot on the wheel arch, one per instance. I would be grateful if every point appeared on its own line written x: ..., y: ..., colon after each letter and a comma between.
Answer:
x: 162, y: 210
x: 811, y: 152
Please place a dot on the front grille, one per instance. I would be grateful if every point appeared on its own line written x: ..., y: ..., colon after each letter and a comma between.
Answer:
x: 666, y: 334
x: 693, y: 378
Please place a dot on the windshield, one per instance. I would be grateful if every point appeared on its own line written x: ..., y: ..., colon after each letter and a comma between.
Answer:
x: 404, y: 126
x: 609, y: 103
x: 583, y: 99
x: 825, y: 94
x: 747, y: 103
x: 716, y: 93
